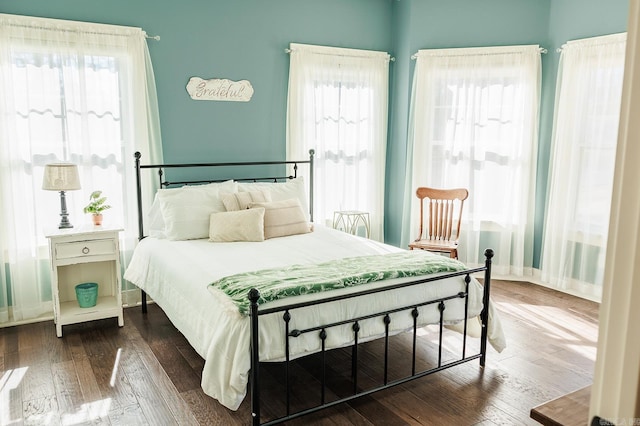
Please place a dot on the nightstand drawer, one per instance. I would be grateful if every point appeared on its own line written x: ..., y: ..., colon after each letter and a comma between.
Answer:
x: 85, y: 248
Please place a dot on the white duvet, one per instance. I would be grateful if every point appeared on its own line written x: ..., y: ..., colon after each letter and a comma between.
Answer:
x: 177, y: 274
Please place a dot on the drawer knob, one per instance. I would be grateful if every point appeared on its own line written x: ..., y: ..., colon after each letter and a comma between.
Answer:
x: 85, y: 250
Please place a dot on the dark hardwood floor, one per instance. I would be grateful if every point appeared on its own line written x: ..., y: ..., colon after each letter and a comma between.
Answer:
x: 146, y: 372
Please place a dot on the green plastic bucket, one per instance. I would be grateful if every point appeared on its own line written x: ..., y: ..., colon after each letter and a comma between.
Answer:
x: 87, y: 294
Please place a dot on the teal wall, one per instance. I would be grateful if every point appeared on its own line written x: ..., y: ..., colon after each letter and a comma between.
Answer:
x: 238, y: 39
x: 245, y: 39
x: 400, y: 96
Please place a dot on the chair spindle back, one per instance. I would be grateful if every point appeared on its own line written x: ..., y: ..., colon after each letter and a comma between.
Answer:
x: 442, y: 212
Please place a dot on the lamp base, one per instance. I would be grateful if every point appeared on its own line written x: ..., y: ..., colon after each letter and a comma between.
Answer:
x: 65, y: 225
x: 64, y: 221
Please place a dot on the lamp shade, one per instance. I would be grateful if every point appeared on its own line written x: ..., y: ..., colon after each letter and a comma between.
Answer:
x: 60, y: 177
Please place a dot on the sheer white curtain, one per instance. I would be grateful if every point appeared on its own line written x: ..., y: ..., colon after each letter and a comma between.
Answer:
x: 69, y: 91
x: 337, y: 105
x: 473, y: 124
x: 585, y: 131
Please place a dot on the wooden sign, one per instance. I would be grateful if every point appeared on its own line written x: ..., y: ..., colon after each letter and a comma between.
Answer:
x: 219, y: 89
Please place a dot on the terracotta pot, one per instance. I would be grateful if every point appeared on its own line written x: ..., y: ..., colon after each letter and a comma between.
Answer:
x: 97, y: 219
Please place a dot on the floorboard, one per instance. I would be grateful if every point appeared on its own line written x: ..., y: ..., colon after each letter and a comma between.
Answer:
x: 147, y: 374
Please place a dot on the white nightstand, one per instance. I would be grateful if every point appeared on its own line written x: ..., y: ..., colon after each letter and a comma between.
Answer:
x: 88, y: 254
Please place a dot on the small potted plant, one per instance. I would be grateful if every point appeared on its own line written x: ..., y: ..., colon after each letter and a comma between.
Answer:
x: 96, y: 206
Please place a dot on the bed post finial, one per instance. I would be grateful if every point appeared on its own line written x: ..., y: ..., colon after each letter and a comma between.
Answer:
x: 254, y: 295
x: 488, y: 253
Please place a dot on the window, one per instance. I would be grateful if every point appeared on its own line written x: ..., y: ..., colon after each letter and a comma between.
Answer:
x: 473, y: 142
x: 73, y: 92
x: 473, y: 124
x: 67, y: 108
x: 337, y: 106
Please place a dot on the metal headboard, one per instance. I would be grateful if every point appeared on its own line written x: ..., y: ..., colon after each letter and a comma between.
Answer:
x: 164, y: 183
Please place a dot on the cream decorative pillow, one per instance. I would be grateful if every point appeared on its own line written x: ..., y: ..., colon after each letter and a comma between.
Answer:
x: 240, y: 225
x: 291, y: 188
x: 241, y: 200
x: 283, y: 218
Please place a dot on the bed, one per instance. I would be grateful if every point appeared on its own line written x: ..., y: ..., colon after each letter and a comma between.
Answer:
x: 238, y: 327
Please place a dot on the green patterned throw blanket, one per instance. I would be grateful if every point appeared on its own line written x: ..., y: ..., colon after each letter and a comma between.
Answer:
x: 274, y: 284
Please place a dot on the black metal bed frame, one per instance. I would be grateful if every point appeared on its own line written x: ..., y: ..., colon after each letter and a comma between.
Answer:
x: 323, y: 329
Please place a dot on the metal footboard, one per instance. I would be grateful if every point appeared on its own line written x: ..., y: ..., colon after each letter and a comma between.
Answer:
x: 322, y: 331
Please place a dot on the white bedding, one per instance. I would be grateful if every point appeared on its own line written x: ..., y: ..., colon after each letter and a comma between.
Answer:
x: 177, y: 274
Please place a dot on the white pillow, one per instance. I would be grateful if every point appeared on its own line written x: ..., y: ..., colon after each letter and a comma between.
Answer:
x: 280, y: 191
x: 282, y: 218
x: 155, y: 222
x: 241, y: 200
x: 186, y: 212
x: 228, y: 185
x: 240, y: 225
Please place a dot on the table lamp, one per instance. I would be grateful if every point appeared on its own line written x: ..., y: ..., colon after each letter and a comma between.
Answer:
x: 61, y: 177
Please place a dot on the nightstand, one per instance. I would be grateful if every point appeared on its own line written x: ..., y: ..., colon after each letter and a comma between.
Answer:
x: 88, y: 254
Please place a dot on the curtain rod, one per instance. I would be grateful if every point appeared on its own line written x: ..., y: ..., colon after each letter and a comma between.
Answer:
x: 391, y: 58
x: 75, y: 30
x: 542, y: 50
x: 599, y: 40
